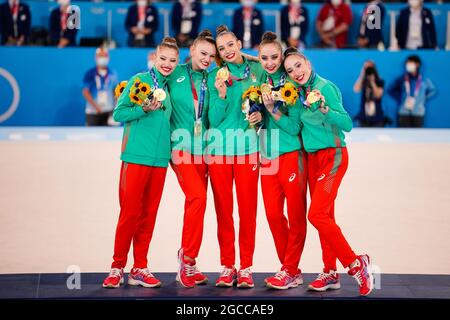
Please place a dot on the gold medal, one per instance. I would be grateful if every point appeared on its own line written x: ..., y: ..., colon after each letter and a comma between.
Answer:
x: 266, y: 88
x: 277, y: 96
x: 223, y: 74
x: 198, y: 128
x: 159, y: 94
x: 313, y: 97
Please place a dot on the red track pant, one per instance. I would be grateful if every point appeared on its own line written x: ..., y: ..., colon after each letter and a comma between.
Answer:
x: 191, y: 172
x: 326, y: 168
x: 244, y: 170
x: 288, y: 183
x: 140, y: 192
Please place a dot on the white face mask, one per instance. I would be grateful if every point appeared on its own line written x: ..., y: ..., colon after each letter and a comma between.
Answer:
x: 64, y: 3
x: 102, y: 61
x: 248, y: 3
x: 415, y: 3
x: 336, y: 2
x: 150, y: 64
x: 411, y: 67
x: 142, y: 3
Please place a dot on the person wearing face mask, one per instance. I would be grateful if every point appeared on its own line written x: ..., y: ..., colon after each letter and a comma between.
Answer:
x: 98, y: 90
x: 294, y: 24
x: 186, y: 18
x: 333, y: 22
x: 370, y: 36
x: 141, y: 23
x: 324, y: 121
x: 248, y: 24
x: 412, y: 91
x: 232, y: 156
x: 371, y: 87
x: 415, y: 28
x: 145, y: 158
x: 189, y: 122
x: 15, y: 23
x: 281, y: 153
x: 61, y: 35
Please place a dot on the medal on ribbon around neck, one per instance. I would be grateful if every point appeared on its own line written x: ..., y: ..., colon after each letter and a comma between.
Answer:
x: 159, y: 94
x: 198, y: 128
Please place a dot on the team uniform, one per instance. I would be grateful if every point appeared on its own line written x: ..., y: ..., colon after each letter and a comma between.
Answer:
x: 327, y: 158
x: 145, y: 157
x: 228, y: 161
x: 285, y: 180
x: 189, y: 122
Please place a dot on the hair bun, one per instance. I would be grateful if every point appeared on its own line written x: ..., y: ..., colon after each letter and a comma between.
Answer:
x: 169, y: 41
x: 205, y: 33
x: 269, y: 36
x: 221, y: 29
x: 290, y: 50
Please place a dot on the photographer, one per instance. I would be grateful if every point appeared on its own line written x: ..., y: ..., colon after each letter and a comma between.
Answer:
x: 372, y: 88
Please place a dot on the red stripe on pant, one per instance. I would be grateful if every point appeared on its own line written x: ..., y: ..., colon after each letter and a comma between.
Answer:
x: 140, y: 193
x: 287, y: 183
x: 191, y: 172
x: 326, y: 169
x: 244, y: 170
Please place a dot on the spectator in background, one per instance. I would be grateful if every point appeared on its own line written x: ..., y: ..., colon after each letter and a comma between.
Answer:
x: 371, y: 87
x: 186, y: 18
x: 415, y: 27
x: 294, y: 24
x: 248, y: 24
x: 411, y: 91
x: 142, y: 23
x: 333, y: 22
x: 60, y: 34
x: 151, y: 57
x: 371, y: 26
x: 15, y: 22
x: 98, y: 90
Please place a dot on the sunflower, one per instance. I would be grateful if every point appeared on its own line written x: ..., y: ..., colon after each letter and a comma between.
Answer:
x: 253, y: 93
x: 119, y: 88
x: 144, y: 88
x: 135, y: 99
x: 289, y: 93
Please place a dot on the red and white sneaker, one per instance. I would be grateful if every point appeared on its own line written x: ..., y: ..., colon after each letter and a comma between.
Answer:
x: 227, y: 277
x: 284, y: 280
x: 186, y: 270
x: 325, y: 281
x: 245, y: 279
x: 199, y: 277
x: 143, y: 277
x: 114, y: 278
x: 362, y: 272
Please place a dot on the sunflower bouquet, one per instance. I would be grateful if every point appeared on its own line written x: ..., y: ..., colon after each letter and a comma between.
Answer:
x: 141, y: 93
x: 252, y: 101
x: 119, y: 89
x: 286, y: 94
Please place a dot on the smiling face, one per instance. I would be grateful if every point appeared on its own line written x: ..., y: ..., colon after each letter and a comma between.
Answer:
x: 298, y: 68
x: 166, y: 60
x: 202, y: 54
x: 270, y: 57
x: 229, y: 48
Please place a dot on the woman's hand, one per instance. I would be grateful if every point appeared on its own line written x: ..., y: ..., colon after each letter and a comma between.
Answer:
x: 221, y: 87
x: 268, y: 101
x: 254, y: 118
x: 151, y: 105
